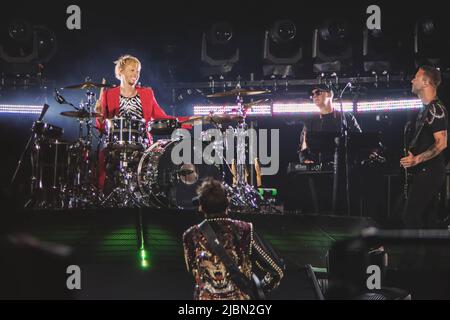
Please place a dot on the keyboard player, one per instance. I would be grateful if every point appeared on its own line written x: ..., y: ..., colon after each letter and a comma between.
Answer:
x: 329, y: 121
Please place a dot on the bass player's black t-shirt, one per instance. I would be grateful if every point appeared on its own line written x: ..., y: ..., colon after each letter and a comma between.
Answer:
x: 435, y: 119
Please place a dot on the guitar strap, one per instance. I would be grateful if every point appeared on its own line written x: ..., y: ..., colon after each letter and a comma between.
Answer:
x: 236, y: 275
x: 419, y: 128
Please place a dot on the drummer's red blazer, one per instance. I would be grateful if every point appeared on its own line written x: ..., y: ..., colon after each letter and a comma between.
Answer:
x: 110, y: 103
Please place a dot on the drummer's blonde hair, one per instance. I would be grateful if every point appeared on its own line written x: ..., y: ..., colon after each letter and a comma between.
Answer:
x: 123, y: 61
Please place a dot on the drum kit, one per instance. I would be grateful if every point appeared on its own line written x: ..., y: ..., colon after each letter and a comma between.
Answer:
x: 139, y: 172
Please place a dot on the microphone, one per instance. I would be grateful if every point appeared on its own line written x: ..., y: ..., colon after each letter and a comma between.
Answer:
x: 59, y: 98
x: 43, y: 112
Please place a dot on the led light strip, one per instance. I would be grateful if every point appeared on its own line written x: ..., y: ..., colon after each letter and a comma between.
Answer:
x: 283, y: 108
x: 302, y: 108
x: 20, y: 109
x: 255, y: 110
x: 389, y: 105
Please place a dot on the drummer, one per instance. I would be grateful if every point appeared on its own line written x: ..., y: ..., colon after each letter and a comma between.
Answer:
x: 127, y: 100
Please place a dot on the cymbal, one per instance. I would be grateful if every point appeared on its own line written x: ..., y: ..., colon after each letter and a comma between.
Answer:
x: 88, y: 85
x: 251, y: 104
x: 225, y: 118
x: 197, y: 120
x: 80, y: 114
x: 237, y: 91
x: 216, y: 118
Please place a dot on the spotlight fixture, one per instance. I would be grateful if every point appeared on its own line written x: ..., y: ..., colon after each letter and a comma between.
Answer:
x: 331, y: 48
x: 47, y: 45
x: 428, y: 39
x: 27, y: 49
x: 219, y: 50
x: 282, y: 49
x: 20, y: 30
x: 377, y: 47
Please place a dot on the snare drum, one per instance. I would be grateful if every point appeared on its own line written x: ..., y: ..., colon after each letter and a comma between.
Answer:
x: 163, y: 126
x: 125, y: 133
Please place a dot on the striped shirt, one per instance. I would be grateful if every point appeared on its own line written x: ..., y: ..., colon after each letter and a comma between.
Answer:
x: 131, y: 107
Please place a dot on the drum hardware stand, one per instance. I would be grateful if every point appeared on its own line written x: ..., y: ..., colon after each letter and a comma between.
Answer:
x: 123, y: 196
x: 81, y: 192
x: 34, y: 186
x: 244, y: 197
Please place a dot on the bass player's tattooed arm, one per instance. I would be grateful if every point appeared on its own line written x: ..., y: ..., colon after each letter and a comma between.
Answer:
x: 439, y: 145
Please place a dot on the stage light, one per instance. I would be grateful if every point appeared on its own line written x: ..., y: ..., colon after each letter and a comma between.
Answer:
x: 389, y: 105
x: 46, y: 43
x: 428, y: 26
x: 304, y: 108
x: 27, y: 49
x: 21, y: 46
x: 219, y: 50
x: 143, y: 257
x: 220, y: 33
x: 283, y: 31
x: 377, y: 49
x: 428, y: 48
x: 20, y: 30
x: 287, y: 108
x: 331, y: 48
x: 282, y: 49
x: 220, y: 109
x: 333, y: 30
x: 20, y: 109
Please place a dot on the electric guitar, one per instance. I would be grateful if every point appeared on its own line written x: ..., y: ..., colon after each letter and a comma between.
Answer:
x: 406, y: 149
x: 409, y: 145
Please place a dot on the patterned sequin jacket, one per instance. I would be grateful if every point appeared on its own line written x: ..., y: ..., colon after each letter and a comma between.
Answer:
x: 212, y: 281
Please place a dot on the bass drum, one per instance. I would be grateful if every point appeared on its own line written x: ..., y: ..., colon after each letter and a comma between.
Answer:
x: 164, y: 184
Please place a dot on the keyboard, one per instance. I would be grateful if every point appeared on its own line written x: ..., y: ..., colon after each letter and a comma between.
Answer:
x: 296, y: 167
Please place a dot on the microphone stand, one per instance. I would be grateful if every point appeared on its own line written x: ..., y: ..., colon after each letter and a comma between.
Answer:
x: 344, y: 136
x: 60, y: 99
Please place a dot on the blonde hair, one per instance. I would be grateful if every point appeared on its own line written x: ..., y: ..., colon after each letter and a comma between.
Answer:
x: 123, y: 61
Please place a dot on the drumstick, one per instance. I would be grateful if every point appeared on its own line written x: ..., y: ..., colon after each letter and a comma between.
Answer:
x: 98, y: 105
x: 233, y: 172
x: 258, y: 173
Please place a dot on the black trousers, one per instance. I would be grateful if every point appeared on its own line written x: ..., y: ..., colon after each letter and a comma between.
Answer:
x: 421, y: 208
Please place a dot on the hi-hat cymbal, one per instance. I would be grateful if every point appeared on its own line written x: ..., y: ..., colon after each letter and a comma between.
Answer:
x: 88, y: 85
x: 80, y: 114
x: 236, y: 92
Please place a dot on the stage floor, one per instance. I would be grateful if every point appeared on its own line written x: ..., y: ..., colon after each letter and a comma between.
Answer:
x: 138, y: 253
x: 108, y: 243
